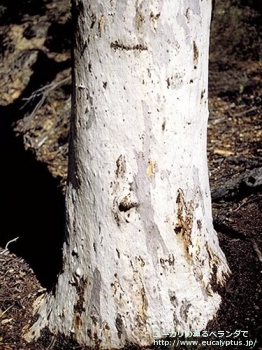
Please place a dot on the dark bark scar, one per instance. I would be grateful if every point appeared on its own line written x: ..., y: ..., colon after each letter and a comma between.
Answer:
x: 120, y: 46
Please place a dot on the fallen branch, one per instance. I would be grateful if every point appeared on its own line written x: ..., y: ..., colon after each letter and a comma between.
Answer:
x: 240, y: 187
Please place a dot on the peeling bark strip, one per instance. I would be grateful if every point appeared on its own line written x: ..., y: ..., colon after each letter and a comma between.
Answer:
x: 141, y: 252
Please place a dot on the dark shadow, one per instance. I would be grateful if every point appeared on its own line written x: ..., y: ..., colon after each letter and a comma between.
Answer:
x: 255, y: 4
x: 13, y: 11
x: 59, y: 36
x: 31, y: 204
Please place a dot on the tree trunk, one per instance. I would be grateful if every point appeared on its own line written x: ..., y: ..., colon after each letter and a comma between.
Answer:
x: 141, y: 256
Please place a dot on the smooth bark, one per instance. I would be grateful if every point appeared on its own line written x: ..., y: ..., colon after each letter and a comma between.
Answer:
x: 141, y: 255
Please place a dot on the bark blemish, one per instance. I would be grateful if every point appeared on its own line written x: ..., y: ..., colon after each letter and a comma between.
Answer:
x: 153, y: 20
x: 75, y: 252
x: 195, y: 53
x: 184, y: 310
x: 214, y: 261
x: 184, y: 220
x: 89, y: 67
x: 116, y: 213
x: 120, y: 166
x: 173, y: 298
x: 164, y: 125
x: 154, y: 17
x: 140, y: 20
x: 150, y: 171
x: 175, y: 81
x: 80, y: 289
x: 119, y: 326
x: 117, y: 207
x: 115, y: 285
x: 141, y: 261
x: 116, y: 45
x: 140, y: 294
x: 170, y: 261
x: 188, y: 13
x: 168, y: 83
x: 118, y: 254
x: 93, y: 20
x: 101, y: 25
x: 127, y: 204
x: 77, y: 322
x: 199, y: 224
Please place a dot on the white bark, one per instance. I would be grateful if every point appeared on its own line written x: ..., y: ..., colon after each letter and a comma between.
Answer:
x: 141, y: 250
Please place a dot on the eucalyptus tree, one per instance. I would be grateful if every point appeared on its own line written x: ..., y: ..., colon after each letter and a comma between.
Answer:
x: 140, y: 255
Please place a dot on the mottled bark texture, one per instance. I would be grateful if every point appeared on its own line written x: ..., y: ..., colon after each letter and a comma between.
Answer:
x: 141, y: 253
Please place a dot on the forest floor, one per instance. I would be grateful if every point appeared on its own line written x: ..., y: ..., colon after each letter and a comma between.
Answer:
x: 34, y: 125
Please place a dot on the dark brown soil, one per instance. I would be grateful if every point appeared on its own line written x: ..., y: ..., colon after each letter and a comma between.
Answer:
x: 34, y: 124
